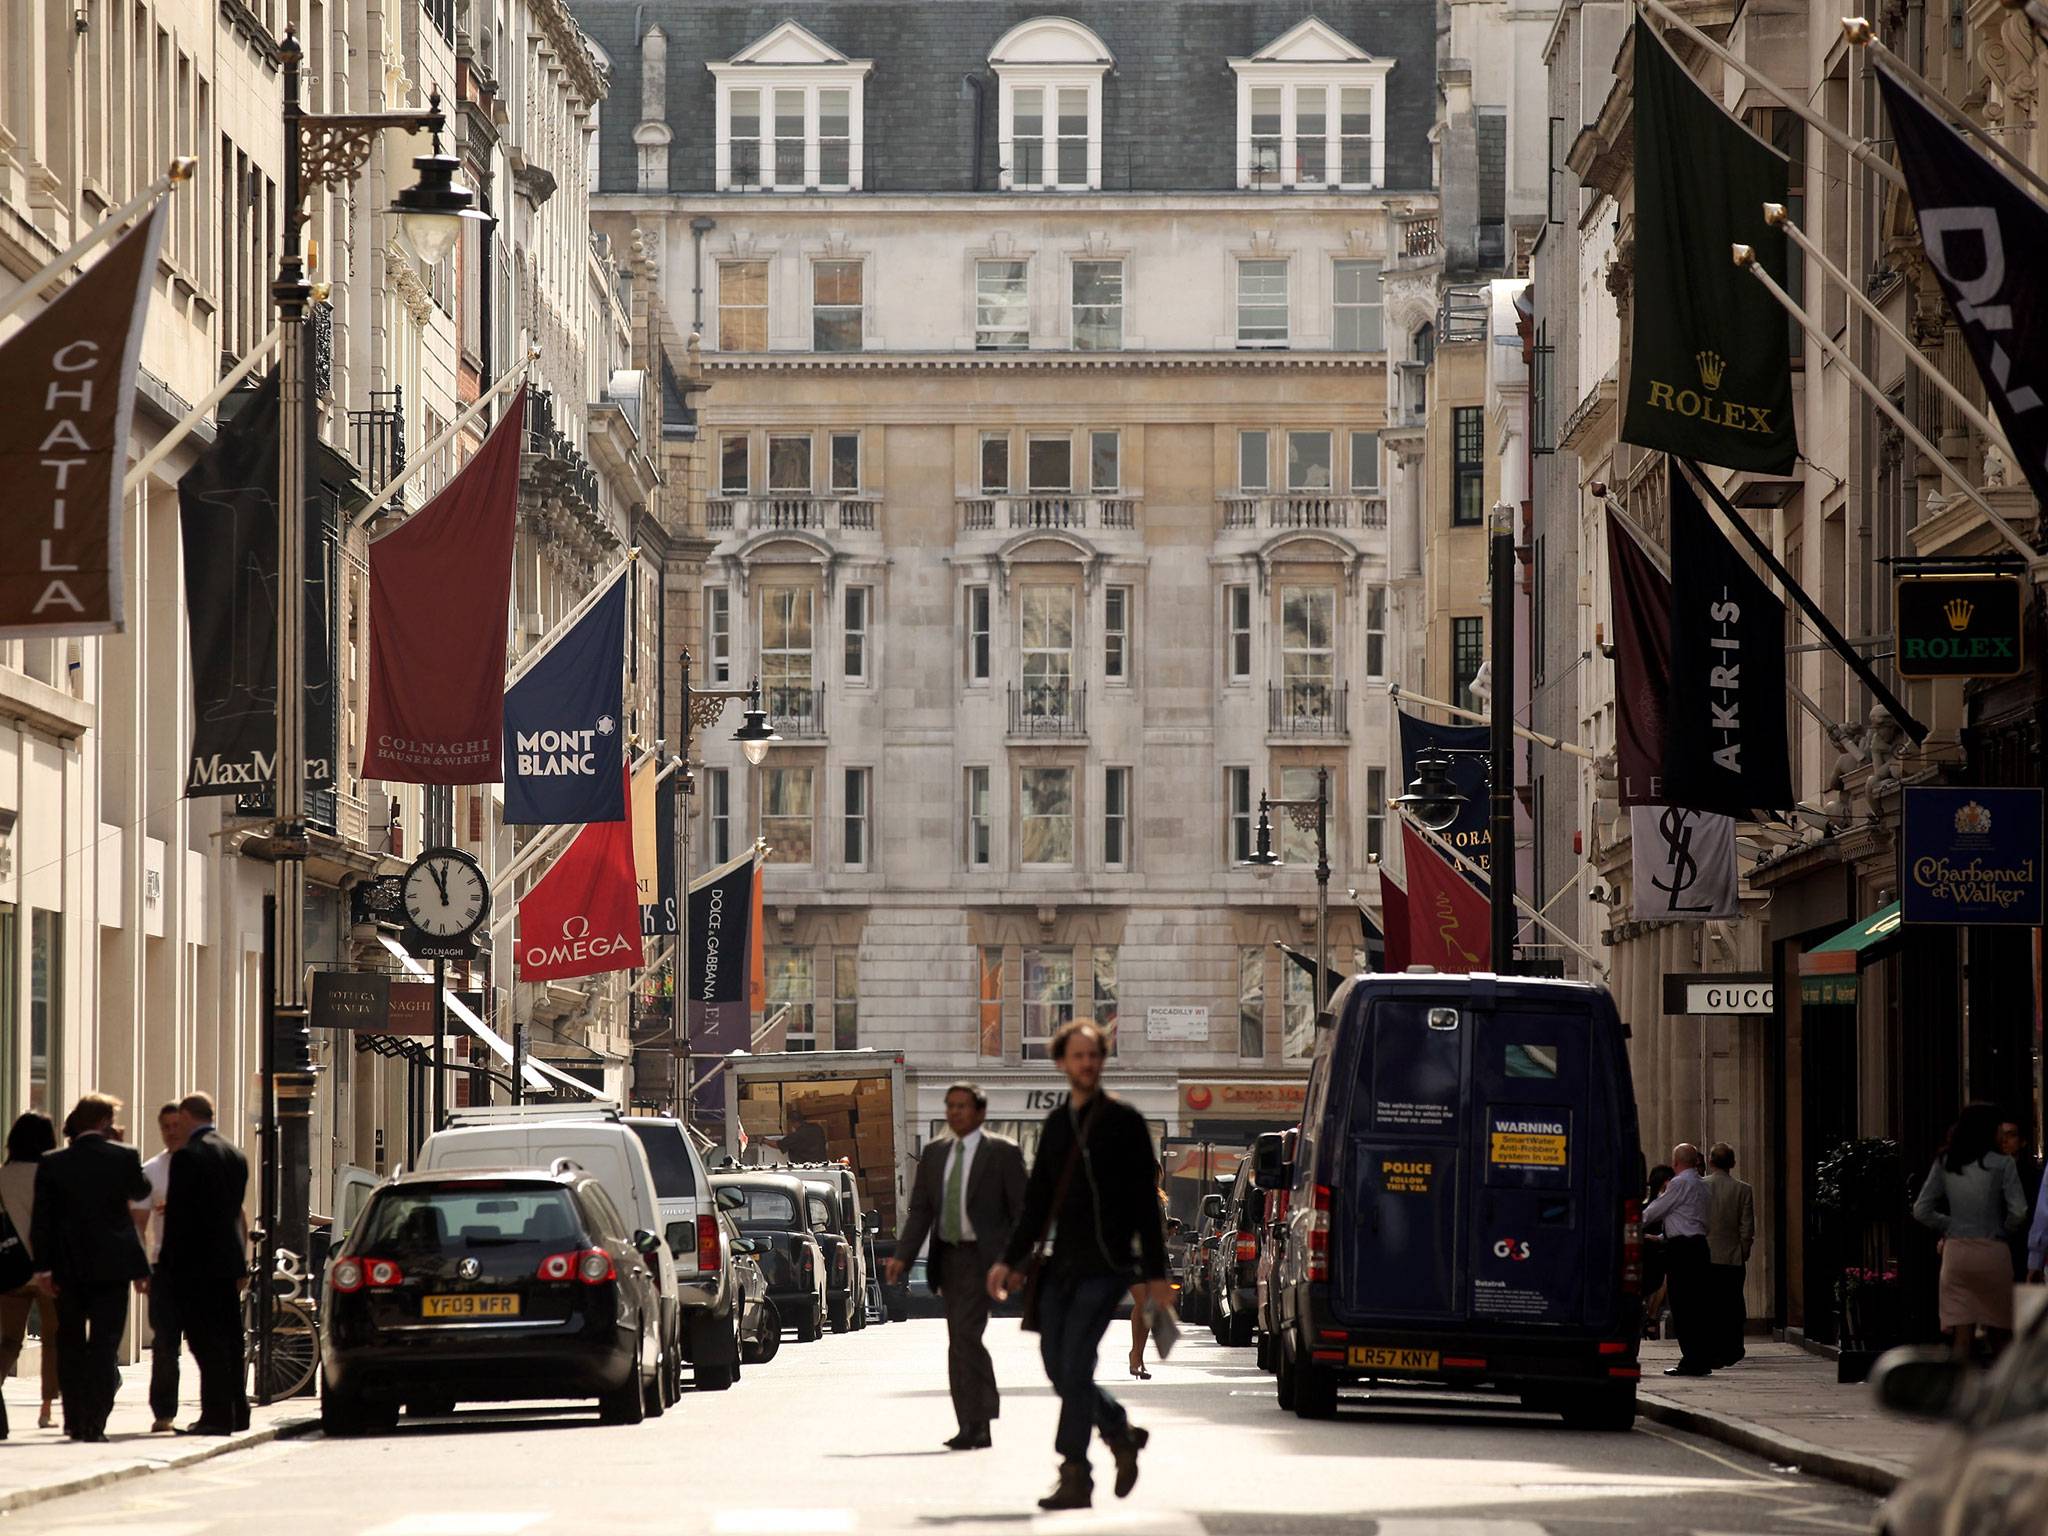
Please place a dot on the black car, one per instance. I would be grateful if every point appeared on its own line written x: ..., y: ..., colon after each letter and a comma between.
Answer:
x: 845, y: 1303
x: 775, y: 1211
x: 1234, y: 1262
x: 489, y: 1286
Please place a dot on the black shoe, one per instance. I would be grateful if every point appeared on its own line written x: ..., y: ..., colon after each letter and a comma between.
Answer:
x: 203, y: 1427
x: 3, y: 1418
x: 1682, y: 1369
x: 972, y: 1437
x: 1075, y: 1489
x: 1126, y: 1453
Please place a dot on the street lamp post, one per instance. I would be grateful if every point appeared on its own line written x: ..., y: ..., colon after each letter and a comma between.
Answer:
x: 701, y: 709
x: 1305, y: 814
x: 1500, y: 881
x: 320, y: 151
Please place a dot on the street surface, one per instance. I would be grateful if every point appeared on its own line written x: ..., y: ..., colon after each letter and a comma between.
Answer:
x: 843, y: 1436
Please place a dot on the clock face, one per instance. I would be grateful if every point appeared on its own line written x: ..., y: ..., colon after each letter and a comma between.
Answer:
x: 445, y: 894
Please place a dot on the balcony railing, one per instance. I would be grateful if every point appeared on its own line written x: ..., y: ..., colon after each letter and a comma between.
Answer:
x: 377, y: 438
x: 1048, y: 509
x: 795, y: 712
x: 753, y: 514
x: 1313, y: 708
x: 320, y: 807
x: 1049, y: 709
x: 1305, y: 509
x: 1422, y: 239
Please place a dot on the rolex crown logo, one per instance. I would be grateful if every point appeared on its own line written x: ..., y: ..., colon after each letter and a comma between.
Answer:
x: 1958, y: 611
x: 1711, y: 366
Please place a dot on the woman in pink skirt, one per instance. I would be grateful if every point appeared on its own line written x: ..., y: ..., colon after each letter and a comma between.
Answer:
x: 1973, y: 1198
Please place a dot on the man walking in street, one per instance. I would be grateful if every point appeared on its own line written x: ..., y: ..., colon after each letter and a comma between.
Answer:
x: 87, y: 1255
x: 1731, y: 1233
x: 1684, y: 1209
x: 166, y: 1338
x: 1095, y: 1185
x: 205, y: 1262
x: 967, y: 1196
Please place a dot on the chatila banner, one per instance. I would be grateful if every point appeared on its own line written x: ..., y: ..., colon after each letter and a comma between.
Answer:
x: 1970, y: 856
x: 564, y: 746
x: 1471, y: 834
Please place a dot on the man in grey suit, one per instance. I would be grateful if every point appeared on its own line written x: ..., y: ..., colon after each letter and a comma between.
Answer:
x: 1731, y: 1233
x: 966, y: 1198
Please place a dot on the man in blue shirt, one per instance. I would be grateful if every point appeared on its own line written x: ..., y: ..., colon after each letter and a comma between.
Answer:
x: 1684, y: 1208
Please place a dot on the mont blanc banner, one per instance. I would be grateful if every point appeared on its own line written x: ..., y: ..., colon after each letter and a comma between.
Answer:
x: 1642, y: 665
x: 1471, y: 834
x: 67, y: 390
x: 1984, y: 238
x: 564, y: 748
x: 227, y: 521
x: 1450, y: 925
x: 440, y: 588
x: 1684, y: 864
x: 583, y: 916
x: 1710, y: 370
x: 1725, y: 745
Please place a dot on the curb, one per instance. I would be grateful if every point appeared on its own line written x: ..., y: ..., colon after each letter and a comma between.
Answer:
x: 121, y: 1472
x: 1865, y: 1472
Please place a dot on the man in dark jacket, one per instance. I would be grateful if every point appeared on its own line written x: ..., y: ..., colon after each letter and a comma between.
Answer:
x: 966, y: 1198
x: 205, y: 1261
x: 1096, y: 1182
x: 87, y: 1255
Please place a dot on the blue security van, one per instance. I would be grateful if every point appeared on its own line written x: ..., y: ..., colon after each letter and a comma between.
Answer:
x: 1464, y: 1198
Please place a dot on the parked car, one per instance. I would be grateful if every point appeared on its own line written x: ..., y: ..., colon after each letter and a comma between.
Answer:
x: 1988, y: 1470
x: 596, y: 1140
x: 709, y: 1301
x: 775, y: 1210
x: 1465, y: 1198
x: 1274, y: 1244
x: 1196, y: 1299
x: 1234, y: 1262
x: 760, y: 1322
x: 842, y: 1237
x: 915, y: 1296
x: 457, y: 1286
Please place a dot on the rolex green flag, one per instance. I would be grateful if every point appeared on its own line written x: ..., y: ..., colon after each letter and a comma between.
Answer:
x: 1710, y: 368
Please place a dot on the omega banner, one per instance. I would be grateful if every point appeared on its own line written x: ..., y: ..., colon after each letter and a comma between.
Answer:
x: 1970, y: 856
x: 1710, y: 368
x: 583, y: 916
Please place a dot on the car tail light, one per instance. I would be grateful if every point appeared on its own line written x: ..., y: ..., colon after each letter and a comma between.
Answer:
x: 1247, y: 1247
x: 1319, y: 1236
x: 707, y: 1242
x: 346, y: 1276
x: 1632, y: 1247
x: 558, y: 1266
x: 382, y: 1274
x: 594, y: 1267
x: 1464, y: 1362
x: 1614, y: 1346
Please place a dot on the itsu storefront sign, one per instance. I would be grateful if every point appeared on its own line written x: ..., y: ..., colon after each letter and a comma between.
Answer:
x: 1970, y: 856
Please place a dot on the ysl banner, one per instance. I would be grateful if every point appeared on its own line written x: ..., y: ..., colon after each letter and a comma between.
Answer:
x: 1684, y: 864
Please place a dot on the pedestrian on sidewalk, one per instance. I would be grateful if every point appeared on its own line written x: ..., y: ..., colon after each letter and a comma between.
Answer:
x: 1972, y: 1198
x: 205, y: 1259
x: 1141, y: 1329
x: 87, y: 1255
x: 28, y: 1139
x: 1094, y: 1185
x: 166, y: 1337
x: 1683, y: 1208
x: 1731, y: 1234
x: 1656, y: 1276
x: 2012, y: 1141
x: 967, y: 1196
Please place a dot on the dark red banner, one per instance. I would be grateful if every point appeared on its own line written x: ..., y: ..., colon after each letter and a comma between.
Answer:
x: 440, y: 589
x: 1449, y: 925
x: 583, y: 917
x: 1642, y: 665
x: 1394, y: 919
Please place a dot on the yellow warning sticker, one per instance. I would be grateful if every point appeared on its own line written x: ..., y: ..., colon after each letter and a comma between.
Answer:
x: 1528, y: 1149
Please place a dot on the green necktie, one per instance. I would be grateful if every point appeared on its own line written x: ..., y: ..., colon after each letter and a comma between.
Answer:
x: 952, y: 1227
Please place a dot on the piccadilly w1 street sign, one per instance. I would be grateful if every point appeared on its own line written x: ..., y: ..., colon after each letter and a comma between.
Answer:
x: 1971, y: 625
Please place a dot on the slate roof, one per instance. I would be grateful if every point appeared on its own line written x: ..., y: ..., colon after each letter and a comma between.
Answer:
x: 1169, y: 106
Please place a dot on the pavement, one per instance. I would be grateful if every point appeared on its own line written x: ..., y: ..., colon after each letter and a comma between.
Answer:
x: 842, y: 1436
x: 37, y: 1465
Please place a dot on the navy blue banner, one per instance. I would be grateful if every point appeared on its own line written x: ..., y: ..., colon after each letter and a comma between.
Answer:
x: 1471, y: 834
x: 565, y: 725
x: 1970, y: 856
x: 660, y: 917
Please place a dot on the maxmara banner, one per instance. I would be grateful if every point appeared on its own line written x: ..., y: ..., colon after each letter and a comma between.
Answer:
x: 1969, y: 856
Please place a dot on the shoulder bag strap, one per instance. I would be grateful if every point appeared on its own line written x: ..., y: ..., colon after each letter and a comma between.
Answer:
x: 1059, y: 1194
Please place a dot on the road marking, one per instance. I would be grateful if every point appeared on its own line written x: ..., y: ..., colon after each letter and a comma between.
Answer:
x: 1701, y: 1450
x: 472, y: 1522
x: 1121, y: 1522
x: 782, y: 1522
x: 1460, y: 1528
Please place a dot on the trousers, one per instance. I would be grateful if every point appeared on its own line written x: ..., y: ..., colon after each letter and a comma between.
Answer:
x: 1730, y: 1308
x: 14, y: 1307
x: 210, y: 1312
x: 166, y: 1342
x: 1074, y: 1311
x: 963, y: 1287
x: 91, y: 1318
x: 1692, y: 1300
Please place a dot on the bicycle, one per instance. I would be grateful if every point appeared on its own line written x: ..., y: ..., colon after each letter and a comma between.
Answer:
x: 294, y: 1331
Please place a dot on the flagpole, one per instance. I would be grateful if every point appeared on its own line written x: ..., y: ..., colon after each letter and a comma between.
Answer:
x: 1527, y: 911
x: 179, y: 170
x: 1745, y: 258
x: 213, y: 397
x: 569, y: 620
x: 1556, y: 743
x: 448, y: 435
x: 1855, y: 148
x: 1777, y: 214
x: 1861, y: 34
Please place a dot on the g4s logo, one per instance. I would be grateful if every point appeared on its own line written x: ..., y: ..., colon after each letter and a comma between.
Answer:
x: 1511, y: 1248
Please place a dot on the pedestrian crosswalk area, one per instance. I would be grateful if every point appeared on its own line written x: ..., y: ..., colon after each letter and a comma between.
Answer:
x: 1806, y: 1518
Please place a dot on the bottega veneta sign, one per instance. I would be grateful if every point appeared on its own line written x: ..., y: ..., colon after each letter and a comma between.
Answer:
x: 1961, y: 626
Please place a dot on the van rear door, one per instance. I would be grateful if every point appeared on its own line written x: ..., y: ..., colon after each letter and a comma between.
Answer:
x: 1535, y: 1126
x: 1399, y: 1254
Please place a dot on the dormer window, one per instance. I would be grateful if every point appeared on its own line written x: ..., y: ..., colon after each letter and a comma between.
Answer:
x: 1311, y: 113
x: 790, y: 115
x: 1049, y: 123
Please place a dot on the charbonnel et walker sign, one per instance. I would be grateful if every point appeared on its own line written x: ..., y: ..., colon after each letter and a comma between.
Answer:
x: 1971, y: 856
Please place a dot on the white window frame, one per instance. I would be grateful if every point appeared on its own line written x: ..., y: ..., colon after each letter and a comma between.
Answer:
x: 790, y: 58
x: 1375, y: 813
x: 1055, y: 662
x: 810, y: 464
x: 1115, y: 484
x: 856, y: 817
x: 1237, y: 627
x: 1375, y: 306
x: 1253, y: 343
x: 1375, y: 627
x: 777, y: 664
x: 1265, y: 442
x: 804, y: 1005
x: 980, y: 628
x: 1117, y: 601
x: 1237, y: 815
x: 860, y: 309
x: 1116, y: 813
x: 1046, y: 1015
x: 1307, y: 435
x: 1075, y: 306
x: 718, y: 813
x: 718, y: 634
x: 1033, y: 440
x: 1365, y: 447
x: 1002, y: 338
x: 778, y: 773
x: 833, y: 440
x: 980, y: 847
x: 1024, y: 814
x: 1312, y: 57
x: 981, y: 447
x: 1312, y: 665
x: 1049, y: 54
x: 857, y: 633
x: 725, y: 486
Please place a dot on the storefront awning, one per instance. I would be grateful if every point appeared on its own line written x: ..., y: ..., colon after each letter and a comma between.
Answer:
x: 1828, y: 972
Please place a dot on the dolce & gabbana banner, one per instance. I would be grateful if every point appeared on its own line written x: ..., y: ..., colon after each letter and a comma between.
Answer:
x: 718, y: 968
x: 1710, y: 364
x: 582, y: 918
x: 1970, y: 856
x: 563, y: 743
x: 67, y: 391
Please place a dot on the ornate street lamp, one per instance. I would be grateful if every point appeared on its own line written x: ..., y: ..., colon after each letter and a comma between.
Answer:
x: 1307, y: 815
x: 1432, y: 799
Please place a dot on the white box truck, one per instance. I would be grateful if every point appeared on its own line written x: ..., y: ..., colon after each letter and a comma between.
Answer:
x: 824, y: 1107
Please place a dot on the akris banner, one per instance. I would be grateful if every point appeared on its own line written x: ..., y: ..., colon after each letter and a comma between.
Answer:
x: 1970, y: 856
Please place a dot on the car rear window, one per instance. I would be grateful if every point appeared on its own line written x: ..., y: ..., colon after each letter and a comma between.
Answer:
x: 431, y: 1221
x: 675, y: 1176
x: 765, y: 1207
